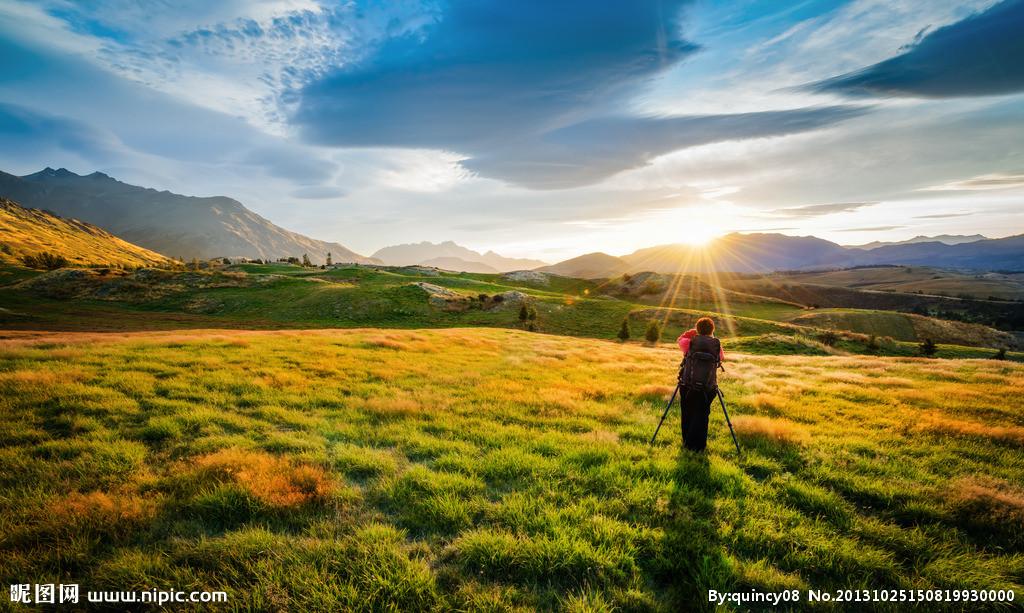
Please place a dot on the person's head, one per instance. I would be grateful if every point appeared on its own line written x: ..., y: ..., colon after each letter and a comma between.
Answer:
x: 705, y: 326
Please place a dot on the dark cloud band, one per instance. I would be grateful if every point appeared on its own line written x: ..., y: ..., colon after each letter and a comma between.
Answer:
x: 982, y: 55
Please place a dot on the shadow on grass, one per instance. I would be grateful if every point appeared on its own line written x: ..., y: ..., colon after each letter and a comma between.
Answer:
x: 693, y: 559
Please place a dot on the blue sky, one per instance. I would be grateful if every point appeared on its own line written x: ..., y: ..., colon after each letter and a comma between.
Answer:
x: 536, y: 128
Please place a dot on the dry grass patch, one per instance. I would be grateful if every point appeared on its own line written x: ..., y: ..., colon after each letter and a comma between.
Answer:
x: 274, y: 480
x: 654, y: 392
x: 940, y: 424
x: 771, y: 430
x: 988, y: 505
x: 102, y: 507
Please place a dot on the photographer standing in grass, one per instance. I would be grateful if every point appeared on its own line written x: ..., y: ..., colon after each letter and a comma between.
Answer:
x: 698, y: 379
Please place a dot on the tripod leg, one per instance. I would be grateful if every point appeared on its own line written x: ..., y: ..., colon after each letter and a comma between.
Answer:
x: 721, y: 398
x: 668, y: 407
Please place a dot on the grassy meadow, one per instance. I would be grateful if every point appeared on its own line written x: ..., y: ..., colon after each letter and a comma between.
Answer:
x: 280, y: 296
x: 493, y: 469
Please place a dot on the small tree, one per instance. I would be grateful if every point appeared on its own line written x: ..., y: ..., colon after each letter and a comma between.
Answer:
x: 828, y: 337
x: 1000, y: 355
x: 928, y: 347
x: 532, y: 314
x: 653, y: 333
x: 524, y: 313
x: 328, y: 259
x: 872, y: 344
x: 624, y: 330
x: 305, y: 261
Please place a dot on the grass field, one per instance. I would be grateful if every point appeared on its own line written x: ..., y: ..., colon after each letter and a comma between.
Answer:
x: 493, y: 469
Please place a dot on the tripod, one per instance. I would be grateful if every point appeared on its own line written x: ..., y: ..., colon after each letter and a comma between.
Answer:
x: 721, y: 399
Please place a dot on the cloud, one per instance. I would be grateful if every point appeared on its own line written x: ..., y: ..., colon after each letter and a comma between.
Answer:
x: 817, y: 210
x: 27, y: 131
x: 530, y: 92
x: 589, y: 151
x: 982, y: 55
x: 871, y: 229
x: 487, y: 70
x: 942, y: 215
x: 981, y: 182
x: 318, y: 192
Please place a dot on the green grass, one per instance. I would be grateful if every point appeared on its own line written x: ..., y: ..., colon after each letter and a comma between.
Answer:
x: 493, y: 469
x: 879, y: 323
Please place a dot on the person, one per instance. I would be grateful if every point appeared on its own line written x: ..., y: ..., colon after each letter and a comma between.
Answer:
x: 698, y: 378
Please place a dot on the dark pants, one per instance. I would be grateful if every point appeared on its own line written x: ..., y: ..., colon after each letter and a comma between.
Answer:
x: 695, y: 409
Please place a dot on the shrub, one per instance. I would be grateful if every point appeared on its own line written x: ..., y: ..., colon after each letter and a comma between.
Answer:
x: 653, y: 333
x: 484, y: 297
x: 828, y: 337
x: 498, y: 298
x: 532, y: 314
x: 1000, y: 354
x: 928, y: 347
x: 45, y: 261
x: 524, y: 313
x: 872, y: 344
x: 624, y: 330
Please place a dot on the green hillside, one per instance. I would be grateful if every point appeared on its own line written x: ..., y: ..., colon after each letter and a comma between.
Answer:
x: 272, y: 296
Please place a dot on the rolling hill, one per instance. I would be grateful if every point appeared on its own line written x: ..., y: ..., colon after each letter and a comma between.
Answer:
x: 29, y: 232
x: 920, y: 279
x: 590, y: 266
x: 168, y: 223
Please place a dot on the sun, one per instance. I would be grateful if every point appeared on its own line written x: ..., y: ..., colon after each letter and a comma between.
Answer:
x: 698, y: 233
x: 698, y: 237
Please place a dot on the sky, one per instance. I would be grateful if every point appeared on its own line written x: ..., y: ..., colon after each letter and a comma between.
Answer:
x: 543, y: 129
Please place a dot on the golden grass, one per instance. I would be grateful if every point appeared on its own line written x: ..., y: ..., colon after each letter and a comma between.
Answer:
x: 274, y: 480
x: 482, y: 463
x: 32, y: 231
x: 654, y: 391
x: 102, y: 507
x: 939, y: 424
x: 768, y: 429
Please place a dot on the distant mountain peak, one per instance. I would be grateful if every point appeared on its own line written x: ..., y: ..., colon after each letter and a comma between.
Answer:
x: 451, y: 253
x: 945, y: 239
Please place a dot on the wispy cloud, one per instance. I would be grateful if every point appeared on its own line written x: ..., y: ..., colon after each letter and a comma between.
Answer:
x: 981, y: 182
x: 817, y: 210
x: 870, y: 229
x: 942, y: 215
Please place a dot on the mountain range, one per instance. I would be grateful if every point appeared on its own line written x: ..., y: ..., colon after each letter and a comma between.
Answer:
x: 948, y: 239
x: 757, y: 253
x: 451, y: 256
x: 168, y: 223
